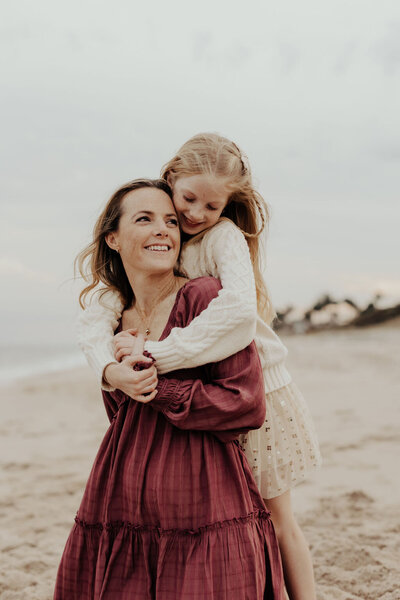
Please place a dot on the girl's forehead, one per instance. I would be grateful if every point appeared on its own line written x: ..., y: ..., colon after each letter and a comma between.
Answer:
x: 204, y: 185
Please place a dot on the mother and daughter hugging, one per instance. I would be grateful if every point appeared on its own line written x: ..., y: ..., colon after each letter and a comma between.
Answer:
x: 189, y: 494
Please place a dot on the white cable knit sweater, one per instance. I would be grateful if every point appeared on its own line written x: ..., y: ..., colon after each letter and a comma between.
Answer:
x: 228, y: 325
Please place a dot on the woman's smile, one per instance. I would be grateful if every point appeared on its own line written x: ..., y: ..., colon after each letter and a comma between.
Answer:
x: 161, y: 248
x: 148, y: 236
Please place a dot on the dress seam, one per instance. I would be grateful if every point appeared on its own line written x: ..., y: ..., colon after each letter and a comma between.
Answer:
x: 116, y: 525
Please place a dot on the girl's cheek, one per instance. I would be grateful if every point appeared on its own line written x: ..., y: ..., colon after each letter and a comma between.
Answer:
x: 179, y: 214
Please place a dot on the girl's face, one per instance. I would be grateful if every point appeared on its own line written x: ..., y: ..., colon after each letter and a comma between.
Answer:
x: 148, y: 236
x: 199, y: 201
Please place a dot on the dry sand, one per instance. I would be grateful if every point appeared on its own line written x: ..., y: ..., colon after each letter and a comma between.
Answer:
x: 52, y: 426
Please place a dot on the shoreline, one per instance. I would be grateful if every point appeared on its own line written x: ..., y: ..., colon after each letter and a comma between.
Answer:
x: 76, y: 360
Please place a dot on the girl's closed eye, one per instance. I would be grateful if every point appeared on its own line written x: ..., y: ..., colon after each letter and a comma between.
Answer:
x: 212, y: 207
x: 188, y: 199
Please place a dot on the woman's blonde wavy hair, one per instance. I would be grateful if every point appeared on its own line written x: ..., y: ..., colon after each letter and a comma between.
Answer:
x: 98, y: 262
x: 214, y: 155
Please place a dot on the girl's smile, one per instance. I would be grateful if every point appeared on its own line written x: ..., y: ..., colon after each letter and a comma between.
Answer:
x: 199, y: 201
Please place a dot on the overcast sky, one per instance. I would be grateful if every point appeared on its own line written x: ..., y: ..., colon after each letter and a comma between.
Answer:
x: 98, y: 93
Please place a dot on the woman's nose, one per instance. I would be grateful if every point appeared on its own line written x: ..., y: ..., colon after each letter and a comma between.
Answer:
x: 161, y: 229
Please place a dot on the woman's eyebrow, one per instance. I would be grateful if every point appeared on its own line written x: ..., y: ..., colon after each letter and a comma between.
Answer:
x: 150, y: 212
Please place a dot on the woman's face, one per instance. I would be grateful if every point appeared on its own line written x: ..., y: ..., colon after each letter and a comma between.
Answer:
x: 148, y: 236
x: 199, y: 201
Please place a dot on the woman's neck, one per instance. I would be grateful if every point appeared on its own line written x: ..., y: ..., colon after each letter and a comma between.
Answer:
x: 149, y: 289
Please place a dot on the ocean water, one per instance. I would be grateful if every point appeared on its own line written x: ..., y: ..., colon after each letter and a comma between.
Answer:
x: 19, y: 361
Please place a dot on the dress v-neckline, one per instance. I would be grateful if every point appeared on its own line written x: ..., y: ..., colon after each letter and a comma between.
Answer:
x: 168, y: 325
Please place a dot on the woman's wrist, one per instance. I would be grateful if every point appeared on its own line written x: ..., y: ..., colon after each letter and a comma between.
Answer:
x: 106, y: 381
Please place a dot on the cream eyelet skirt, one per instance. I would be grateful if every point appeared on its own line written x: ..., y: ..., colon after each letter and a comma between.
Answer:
x: 285, y: 449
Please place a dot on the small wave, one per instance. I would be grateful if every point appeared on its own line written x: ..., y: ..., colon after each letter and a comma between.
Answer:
x: 21, y: 362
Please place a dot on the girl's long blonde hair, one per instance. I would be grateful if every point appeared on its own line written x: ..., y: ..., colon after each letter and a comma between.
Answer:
x: 214, y: 155
x: 98, y: 262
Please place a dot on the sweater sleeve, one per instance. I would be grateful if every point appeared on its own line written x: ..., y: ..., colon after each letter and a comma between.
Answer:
x: 96, y: 326
x: 226, y: 398
x: 229, y: 322
x: 229, y: 403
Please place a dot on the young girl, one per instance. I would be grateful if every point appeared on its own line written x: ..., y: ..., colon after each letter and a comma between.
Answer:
x: 221, y: 217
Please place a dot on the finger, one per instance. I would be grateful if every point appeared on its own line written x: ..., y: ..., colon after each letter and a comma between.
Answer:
x: 143, y: 377
x: 125, y: 344
x: 151, y: 381
x: 137, y: 377
x: 147, y: 390
x: 133, y: 359
x: 145, y: 399
x: 146, y: 386
x: 132, y: 331
x: 120, y: 339
x: 123, y: 335
x: 127, y: 340
x: 138, y: 346
x: 121, y: 353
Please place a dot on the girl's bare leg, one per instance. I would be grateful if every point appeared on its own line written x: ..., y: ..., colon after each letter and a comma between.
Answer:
x: 296, y: 557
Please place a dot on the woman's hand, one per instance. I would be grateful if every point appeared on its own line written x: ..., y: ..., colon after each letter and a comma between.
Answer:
x: 124, y: 343
x: 134, y: 384
x: 140, y: 385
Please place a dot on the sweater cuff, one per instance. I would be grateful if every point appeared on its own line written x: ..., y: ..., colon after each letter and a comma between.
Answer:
x: 276, y: 377
x: 168, y: 395
x: 98, y: 358
x: 164, y: 353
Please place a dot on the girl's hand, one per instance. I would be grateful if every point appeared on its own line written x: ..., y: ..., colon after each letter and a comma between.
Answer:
x: 136, y: 375
x: 124, y: 343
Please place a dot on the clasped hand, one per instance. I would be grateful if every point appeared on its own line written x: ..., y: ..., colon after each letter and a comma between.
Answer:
x: 140, y: 385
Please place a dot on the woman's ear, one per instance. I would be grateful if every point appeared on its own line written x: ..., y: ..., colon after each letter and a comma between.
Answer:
x: 111, y: 241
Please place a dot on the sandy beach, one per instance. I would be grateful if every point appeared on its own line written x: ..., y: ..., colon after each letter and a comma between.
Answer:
x: 52, y: 425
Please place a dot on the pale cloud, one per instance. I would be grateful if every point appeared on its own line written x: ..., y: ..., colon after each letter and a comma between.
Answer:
x: 387, y: 49
x: 289, y: 56
x: 202, y: 44
x: 10, y: 267
x: 345, y: 57
x: 216, y: 53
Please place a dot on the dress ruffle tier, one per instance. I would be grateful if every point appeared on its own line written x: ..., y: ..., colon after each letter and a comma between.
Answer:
x: 214, y: 562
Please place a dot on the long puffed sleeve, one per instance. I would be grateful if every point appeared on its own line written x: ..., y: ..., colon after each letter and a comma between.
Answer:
x: 230, y: 404
x: 226, y: 398
x: 229, y: 322
x: 96, y: 326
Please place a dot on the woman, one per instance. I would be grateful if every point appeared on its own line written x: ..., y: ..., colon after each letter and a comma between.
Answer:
x: 171, y: 509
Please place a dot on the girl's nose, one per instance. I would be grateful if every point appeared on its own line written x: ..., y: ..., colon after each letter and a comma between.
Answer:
x: 196, y: 216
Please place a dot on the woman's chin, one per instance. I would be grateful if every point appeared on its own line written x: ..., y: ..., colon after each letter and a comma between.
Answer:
x: 159, y: 262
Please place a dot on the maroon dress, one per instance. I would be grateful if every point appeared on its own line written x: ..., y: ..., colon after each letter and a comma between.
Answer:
x: 171, y: 510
